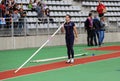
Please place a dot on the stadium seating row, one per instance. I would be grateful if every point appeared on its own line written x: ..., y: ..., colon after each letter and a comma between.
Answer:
x: 85, y: 3
x: 108, y: 8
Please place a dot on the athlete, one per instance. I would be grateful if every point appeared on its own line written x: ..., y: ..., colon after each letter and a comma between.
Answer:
x: 70, y: 29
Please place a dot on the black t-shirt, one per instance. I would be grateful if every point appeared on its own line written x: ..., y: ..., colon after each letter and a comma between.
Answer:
x: 69, y: 28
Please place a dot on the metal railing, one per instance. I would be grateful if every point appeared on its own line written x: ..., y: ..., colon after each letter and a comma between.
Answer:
x: 42, y: 26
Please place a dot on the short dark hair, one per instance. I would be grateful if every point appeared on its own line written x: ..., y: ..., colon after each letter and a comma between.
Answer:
x: 90, y: 14
x: 69, y: 16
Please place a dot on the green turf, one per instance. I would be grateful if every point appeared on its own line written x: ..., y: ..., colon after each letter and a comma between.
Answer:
x: 105, y: 70
x: 12, y: 59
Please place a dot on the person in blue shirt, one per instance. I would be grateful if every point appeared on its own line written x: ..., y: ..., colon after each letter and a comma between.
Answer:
x: 70, y: 29
x: 96, y: 25
x: 101, y: 30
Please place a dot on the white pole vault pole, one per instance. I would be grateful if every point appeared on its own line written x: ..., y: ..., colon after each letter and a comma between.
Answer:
x: 38, y: 49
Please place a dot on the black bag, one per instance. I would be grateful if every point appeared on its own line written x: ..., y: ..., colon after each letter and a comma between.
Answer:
x: 86, y: 24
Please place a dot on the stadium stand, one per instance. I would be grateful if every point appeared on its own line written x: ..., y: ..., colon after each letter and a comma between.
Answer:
x: 78, y: 9
x: 60, y: 8
x: 113, y: 10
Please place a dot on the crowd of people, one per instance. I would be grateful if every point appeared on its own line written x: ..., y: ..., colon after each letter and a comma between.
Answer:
x: 10, y: 12
x: 42, y: 10
x: 95, y: 27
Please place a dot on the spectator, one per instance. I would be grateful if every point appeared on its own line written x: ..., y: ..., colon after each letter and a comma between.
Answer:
x: 15, y: 7
x: 101, y: 9
x: 39, y: 10
x: 43, y: 5
x: 47, y: 12
x: 8, y: 7
x: 20, y: 6
x: 16, y: 17
x: 0, y: 12
x: 96, y: 25
x: 101, y: 31
x: 89, y: 28
x: 8, y: 19
x: 30, y: 5
x: 35, y: 4
x: 22, y: 16
x: 2, y: 23
x: 11, y: 4
x: 2, y: 7
x: 21, y: 19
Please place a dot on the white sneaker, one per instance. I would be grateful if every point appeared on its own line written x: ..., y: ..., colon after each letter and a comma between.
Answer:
x: 72, y: 60
x: 68, y: 61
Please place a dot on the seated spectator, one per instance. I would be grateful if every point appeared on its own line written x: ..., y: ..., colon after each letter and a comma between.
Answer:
x: 47, y: 12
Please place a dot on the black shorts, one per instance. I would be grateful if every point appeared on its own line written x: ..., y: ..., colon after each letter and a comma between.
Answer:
x: 101, y: 15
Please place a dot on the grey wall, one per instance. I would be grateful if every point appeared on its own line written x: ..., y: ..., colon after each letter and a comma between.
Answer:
x: 36, y: 41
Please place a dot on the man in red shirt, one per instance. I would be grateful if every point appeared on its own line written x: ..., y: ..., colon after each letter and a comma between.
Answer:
x: 2, y: 7
x: 101, y: 9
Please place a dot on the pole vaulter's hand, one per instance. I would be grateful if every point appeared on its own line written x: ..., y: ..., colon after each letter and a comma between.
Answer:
x: 76, y: 39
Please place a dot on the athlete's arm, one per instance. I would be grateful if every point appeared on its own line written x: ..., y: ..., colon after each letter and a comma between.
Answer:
x: 75, y: 31
x: 62, y: 29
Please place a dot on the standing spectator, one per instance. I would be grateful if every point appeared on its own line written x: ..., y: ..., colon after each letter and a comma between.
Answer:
x: 15, y: 7
x: 22, y: 17
x: 70, y: 29
x: 101, y: 9
x: 7, y: 6
x: 16, y: 17
x: 35, y: 3
x: 30, y: 5
x: 0, y: 12
x: 8, y: 19
x: 2, y: 8
x: 39, y: 11
x: 96, y: 25
x: 101, y: 31
x: 11, y: 3
x: 89, y: 28
x: 43, y: 5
